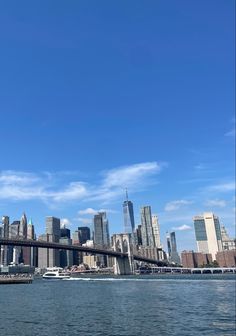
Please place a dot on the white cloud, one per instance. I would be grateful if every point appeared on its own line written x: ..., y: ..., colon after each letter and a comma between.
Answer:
x: 20, y: 186
x: 91, y: 211
x: 65, y: 222
x: 182, y: 228
x: 129, y: 175
x: 175, y: 205
x: 224, y: 187
x: 216, y: 203
x: 88, y: 211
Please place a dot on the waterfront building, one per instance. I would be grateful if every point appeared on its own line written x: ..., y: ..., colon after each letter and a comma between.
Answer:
x: 128, y: 212
x: 172, y: 248
x: 83, y: 234
x: 156, y: 231
x: 208, y: 234
x: 226, y: 258
x: 151, y: 252
x: 227, y: 242
x: 191, y: 259
x: 146, y: 227
x: 50, y: 257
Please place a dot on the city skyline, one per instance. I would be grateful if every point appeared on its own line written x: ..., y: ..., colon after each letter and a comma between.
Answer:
x: 100, y: 99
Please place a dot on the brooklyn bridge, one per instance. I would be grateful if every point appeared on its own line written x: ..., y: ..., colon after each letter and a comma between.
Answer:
x: 121, y: 251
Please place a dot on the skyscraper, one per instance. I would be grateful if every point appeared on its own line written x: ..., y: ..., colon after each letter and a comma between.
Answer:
x: 172, y: 248
x: 23, y: 227
x: 128, y: 212
x: 208, y: 234
x: 101, y: 236
x: 53, y: 226
x: 147, y: 230
x: 156, y: 231
x: 83, y: 234
x: 50, y: 257
x: 101, y: 230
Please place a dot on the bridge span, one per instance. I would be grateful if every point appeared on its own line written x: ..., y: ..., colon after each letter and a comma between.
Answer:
x: 121, y: 257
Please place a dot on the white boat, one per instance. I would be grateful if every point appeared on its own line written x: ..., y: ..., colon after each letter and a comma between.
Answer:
x: 56, y: 275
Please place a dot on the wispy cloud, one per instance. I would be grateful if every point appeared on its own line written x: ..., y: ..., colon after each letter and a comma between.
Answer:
x: 91, y: 211
x: 20, y: 186
x: 215, y: 203
x: 230, y: 133
x: 223, y: 187
x: 182, y: 228
x: 175, y: 205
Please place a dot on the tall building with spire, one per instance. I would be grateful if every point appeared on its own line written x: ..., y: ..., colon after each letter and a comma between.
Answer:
x: 128, y: 211
x: 23, y: 227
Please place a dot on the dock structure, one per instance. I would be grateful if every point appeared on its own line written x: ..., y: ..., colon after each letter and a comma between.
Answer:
x: 7, y: 280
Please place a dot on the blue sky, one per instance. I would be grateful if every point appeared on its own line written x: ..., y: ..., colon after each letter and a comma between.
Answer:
x: 95, y: 98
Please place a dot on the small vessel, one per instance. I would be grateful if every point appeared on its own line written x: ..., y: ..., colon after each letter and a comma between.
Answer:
x: 55, y: 275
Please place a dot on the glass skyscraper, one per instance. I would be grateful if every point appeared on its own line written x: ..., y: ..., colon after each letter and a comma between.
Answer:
x: 128, y: 212
x: 101, y: 230
x: 172, y: 248
x: 146, y: 227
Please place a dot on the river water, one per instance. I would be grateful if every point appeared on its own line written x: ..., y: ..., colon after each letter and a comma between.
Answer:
x: 142, y: 305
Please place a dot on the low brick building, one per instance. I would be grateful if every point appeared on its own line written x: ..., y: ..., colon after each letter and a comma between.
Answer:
x: 191, y: 259
x: 226, y: 258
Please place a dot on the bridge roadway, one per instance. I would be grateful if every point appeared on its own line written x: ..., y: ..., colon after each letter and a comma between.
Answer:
x: 91, y: 250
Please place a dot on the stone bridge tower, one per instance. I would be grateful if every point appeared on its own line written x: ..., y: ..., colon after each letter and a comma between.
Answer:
x: 122, y: 243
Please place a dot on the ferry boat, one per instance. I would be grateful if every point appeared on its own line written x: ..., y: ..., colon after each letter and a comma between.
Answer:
x: 55, y: 275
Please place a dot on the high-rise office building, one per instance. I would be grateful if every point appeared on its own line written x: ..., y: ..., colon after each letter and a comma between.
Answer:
x: 147, y: 230
x: 156, y: 231
x: 23, y: 227
x: 50, y: 257
x: 208, y: 234
x: 128, y: 212
x: 83, y: 234
x: 14, y: 229
x: 53, y: 227
x: 66, y: 256
x: 29, y: 252
x: 101, y: 230
x: 172, y: 248
x: 101, y: 236
x: 64, y: 232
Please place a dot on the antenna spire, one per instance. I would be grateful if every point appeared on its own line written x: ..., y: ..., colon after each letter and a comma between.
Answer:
x: 126, y: 193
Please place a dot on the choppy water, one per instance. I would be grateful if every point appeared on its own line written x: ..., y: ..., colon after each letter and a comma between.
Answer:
x: 164, y: 305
